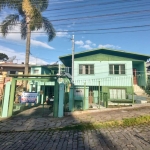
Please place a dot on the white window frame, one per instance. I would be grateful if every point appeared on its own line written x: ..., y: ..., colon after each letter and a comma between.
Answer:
x: 114, y: 94
x: 84, y: 69
x: 35, y: 71
x: 119, y: 69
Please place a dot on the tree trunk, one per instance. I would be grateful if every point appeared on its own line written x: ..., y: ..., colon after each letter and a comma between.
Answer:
x: 26, y: 71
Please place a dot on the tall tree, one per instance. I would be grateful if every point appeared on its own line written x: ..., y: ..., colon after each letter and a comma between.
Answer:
x: 31, y: 19
x: 3, y: 57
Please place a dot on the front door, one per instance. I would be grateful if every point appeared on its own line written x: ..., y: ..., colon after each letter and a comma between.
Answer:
x: 134, y: 76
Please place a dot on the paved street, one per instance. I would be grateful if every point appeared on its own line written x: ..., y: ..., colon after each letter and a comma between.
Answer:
x: 32, y: 119
x: 131, y: 138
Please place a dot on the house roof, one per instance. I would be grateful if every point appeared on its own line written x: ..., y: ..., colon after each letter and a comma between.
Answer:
x: 13, y: 65
x: 106, y: 51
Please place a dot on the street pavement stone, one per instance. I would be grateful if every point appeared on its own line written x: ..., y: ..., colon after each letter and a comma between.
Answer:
x: 129, y: 138
x: 36, y: 121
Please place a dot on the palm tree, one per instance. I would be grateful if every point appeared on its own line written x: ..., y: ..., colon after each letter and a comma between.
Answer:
x: 31, y: 19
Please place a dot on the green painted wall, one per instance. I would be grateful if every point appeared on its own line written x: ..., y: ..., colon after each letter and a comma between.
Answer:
x: 104, y: 57
x: 101, y: 73
x: 128, y: 89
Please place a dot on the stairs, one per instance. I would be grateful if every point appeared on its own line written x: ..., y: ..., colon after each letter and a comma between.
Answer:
x: 141, y: 93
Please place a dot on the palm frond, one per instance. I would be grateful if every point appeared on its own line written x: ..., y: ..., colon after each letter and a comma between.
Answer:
x: 41, y: 5
x: 36, y: 20
x: 10, y: 3
x: 20, y: 11
x: 7, y: 24
x: 48, y: 27
x: 23, y: 28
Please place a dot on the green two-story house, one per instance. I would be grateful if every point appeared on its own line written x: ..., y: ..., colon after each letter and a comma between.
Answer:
x: 116, y: 72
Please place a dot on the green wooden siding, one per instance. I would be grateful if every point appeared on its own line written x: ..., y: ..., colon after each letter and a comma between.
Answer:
x: 104, y: 57
x: 101, y: 71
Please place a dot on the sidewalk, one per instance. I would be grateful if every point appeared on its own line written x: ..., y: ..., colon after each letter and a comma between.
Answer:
x: 28, y: 120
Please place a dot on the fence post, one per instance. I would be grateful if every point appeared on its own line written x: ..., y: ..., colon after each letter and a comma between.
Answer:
x: 61, y: 100
x: 12, y: 95
x: 6, y: 100
x: 102, y: 97
x: 132, y: 90
x: 99, y: 94
x: 106, y: 100
x: 56, y: 99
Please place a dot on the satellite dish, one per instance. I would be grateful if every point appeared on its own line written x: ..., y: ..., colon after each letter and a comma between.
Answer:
x: 11, y: 59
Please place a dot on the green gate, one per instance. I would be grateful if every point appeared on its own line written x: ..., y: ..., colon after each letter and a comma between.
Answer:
x: 46, y: 86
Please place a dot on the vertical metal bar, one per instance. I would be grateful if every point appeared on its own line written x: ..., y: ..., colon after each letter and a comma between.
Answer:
x: 99, y: 94
x: 84, y: 96
x: 73, y: 58
x: 106, y: 100
x: 132, y: 90
x: 43, y: 97
x: 12, y: 95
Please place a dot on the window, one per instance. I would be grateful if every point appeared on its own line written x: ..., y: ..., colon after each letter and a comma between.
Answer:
x: 86, y: 69
x: 117, y: 94
x: 117, y: 69
x: 35, y: 71
x: 13, y: 72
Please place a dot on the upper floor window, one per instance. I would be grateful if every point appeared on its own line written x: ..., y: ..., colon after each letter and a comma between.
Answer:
x: 86, y: 69
x: 117, y: 69
x: 35, y: 71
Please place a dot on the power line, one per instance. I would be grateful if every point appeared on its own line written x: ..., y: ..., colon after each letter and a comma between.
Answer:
x: 97, y: 16
x: 90, y: 5
x: 96, y: 11
x: 100, y: 22
x: 143, y: 4
x: 102, y: 29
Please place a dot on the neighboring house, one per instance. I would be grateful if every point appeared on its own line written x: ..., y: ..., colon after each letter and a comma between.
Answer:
x: 48, y: 87
x: 10, y: 68
x: 114, y: 70
x: 148, y: 68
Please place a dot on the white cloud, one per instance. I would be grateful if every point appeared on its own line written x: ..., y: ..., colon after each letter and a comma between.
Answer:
x: 41, y: 44
x: 88, y: 42
x: 16, y: 38
x: 20, y: 56
x: 79, y: 42
x: 109, y: 46
x: 86, y: 46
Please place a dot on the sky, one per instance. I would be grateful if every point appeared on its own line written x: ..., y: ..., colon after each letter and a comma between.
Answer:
x: 113, y: 24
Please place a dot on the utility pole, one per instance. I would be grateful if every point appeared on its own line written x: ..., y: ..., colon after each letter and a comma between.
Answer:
x: 73, y: 59
x: 59, y: 68
x: 36, y: 60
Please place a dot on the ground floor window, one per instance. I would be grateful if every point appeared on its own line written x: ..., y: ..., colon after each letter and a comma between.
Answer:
x: 117, y: 93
